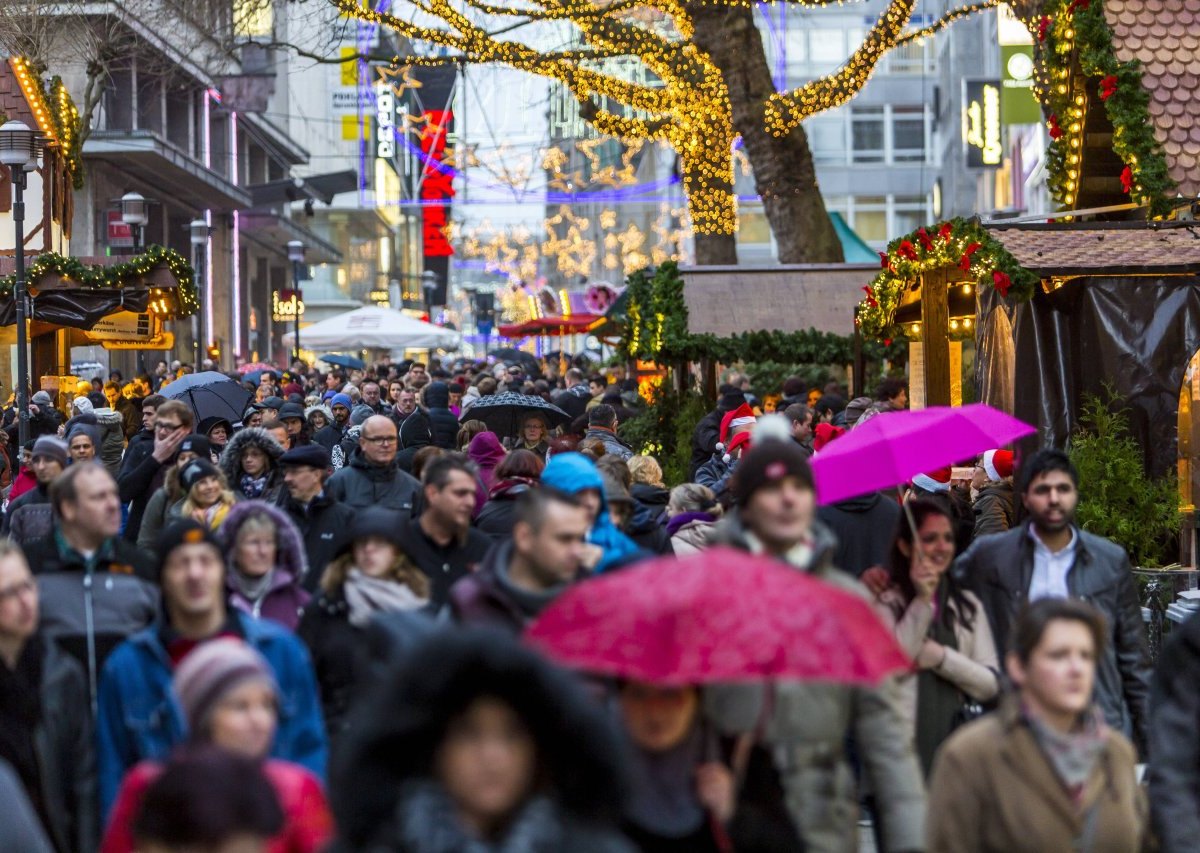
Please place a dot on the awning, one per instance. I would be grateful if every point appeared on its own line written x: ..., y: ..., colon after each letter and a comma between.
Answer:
x: 854, y: 248
x: 273, y: 232
x: 373, y: 328
x: 320, y: 188
x: 554, y: 327
x: 154, y: 162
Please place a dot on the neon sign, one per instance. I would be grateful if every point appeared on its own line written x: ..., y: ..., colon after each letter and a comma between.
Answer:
x: 981, y: 124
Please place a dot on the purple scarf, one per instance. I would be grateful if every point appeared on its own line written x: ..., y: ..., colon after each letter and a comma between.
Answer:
x: 678, y: 521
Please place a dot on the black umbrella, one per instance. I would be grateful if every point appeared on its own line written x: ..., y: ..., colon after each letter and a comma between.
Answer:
x: 211, y: 395
x: 515, y: 356
x: 503, y: 412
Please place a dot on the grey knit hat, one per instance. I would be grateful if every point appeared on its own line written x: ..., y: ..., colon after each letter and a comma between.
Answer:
x: 210, y: 671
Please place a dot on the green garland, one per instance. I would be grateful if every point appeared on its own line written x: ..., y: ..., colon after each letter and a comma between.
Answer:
x: 963, y: 243
x: 1076, y: 29
x: 65, y: 117
x: 117, y: 275
x: 656, y: 329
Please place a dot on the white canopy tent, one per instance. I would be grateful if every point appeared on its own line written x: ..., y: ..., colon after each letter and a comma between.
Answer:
x: 373, y: 328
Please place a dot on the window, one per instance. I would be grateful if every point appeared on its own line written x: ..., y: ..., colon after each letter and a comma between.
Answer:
x: 753, y: 228
x: 869, y: 218
x: 827, y: 47
x: 910, y: 58
x: 827, y: 137
x: 908, y: 134
x: 867, y: 134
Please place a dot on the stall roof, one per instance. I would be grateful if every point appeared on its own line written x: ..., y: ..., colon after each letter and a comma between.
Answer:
x: 1164, y: 36
x: 1113, y: 248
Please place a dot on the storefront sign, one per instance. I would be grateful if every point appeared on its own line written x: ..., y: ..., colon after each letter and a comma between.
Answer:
x: 981, y: 124
x: 385, y: 122
x: 161, y: 341
x: 286, y: 305
x: 124, y: 326
x: 1017, y: 103
x: 120, y: 235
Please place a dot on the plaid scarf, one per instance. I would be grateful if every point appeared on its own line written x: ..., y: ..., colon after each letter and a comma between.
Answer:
x: 1073, y: 754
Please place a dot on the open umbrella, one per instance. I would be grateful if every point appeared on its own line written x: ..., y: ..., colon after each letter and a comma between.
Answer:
x: 257, y: 366
x: 719, y: 616
x: 503, y: 412
x: 347, y: 361
x: 254, y: 377
x: 892, y: 448
x: 211, y: 395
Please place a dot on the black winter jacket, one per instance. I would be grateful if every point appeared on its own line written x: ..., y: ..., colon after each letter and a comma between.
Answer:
x: 864, y: 527
x: 338, y: 655
x: 999, y: 568
x: 994, y: 509
x: 140, y: 475
x: 704, y: 440
x: 361, y: 484
x: 443, y: 425
x: 415, y: 429
x: 325, y: 527
x: 573, y: 400
x: 1174, y: 772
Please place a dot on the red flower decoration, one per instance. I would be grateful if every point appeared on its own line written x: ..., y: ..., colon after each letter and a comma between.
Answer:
x: 1055, y: 130
x: 887, y: 342
x: 926, y: 240
x: 907, y: 250
x: 885, y: 262
x: 1078, y: 4
x: 870, y: 300
x: 1127, y: 179
x: 1108, y: 85
x: 1002, y: 282
x: 964, y: 263
x: 1043, y: 26
x: 945, y: 232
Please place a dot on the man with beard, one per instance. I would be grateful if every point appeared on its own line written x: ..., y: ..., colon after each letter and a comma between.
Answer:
x: 1049, y: 556
x: 441, y: 541
x: 332, y: 434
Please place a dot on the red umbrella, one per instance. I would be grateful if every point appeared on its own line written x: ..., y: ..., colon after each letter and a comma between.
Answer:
x: 721, y: 615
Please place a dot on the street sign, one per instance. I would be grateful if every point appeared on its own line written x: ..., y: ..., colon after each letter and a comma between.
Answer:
x: 124, y: 326
x: 120, y: 235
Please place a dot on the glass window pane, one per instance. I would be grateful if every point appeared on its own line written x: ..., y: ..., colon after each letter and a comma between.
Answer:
x: 867, y: 134
x: 871, y: 225
x: 828, y: 46
x: 908, y: 133
x: 827, y: 138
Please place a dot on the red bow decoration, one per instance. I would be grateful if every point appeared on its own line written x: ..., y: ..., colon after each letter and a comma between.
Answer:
x: 871, y: 301
x: 1002, y: 282
x: 926, y: 240
x: 1055, y: 130
x: 885, y: 262
x: 887, y: 342
x: 907, y: 250
x: 1108, y: 85
x: 1043, y: 26
x: 1078, y: 4
x: 1127, y: 179
x: 945, y: 232
x: 964, y: 263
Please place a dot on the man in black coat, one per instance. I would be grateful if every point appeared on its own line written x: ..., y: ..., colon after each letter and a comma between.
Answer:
x: 708, y: 430
x: 412, y: 423
x: 143, y: 473
x: 574, y: 399
x: 443, y: 425
x: 1048, y: 556
x: 330, y: 435
x: 324, y: 524
x: 1174, y: 728
x: 373, y: 476
x: 441, y: 541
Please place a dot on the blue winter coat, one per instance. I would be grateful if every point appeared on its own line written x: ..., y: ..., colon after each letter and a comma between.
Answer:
x: 138, y: 718
x: 573, y: 473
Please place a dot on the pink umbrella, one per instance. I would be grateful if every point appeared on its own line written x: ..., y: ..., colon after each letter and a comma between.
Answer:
x: 891, y: 448
x: 722, y: 615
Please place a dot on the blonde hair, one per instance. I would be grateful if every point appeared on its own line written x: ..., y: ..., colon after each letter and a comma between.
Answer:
x: 402, y: 570
x: 226, y: 498
x: 645, y: 469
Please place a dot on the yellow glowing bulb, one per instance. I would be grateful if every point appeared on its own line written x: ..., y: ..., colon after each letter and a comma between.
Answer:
x: 954, y: 324
x: 915, y: 328
x: 967, y: 322
x: 967, y: 289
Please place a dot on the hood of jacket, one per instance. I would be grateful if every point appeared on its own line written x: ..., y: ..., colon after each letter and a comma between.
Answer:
x: 573, y: 473
x: 485, y: 450
x: 290, y: 555
x: 653, y: 496
x: 437, y: 395
x: 862, y: 503
x: 231, y: 456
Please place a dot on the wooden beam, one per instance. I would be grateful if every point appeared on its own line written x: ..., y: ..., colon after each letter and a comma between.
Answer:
x: 935, y: 328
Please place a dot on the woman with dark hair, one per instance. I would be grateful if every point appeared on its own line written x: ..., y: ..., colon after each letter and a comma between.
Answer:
x: 518, y: 473
x: 490, y: 749
x: 250, y: 462
x: 372, y: 575
x: 1045, y: 772
x: 941, y: 625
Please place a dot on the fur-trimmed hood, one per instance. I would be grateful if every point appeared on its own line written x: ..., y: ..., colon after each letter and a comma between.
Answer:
x: 290, y: 556
x: 231, y: 457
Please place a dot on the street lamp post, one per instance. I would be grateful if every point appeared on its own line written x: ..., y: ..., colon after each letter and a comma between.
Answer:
x: 429, y: 283
x: 198, y: 229
x: 295, y: 249
x: 19, y: 150
x: 133, y: 214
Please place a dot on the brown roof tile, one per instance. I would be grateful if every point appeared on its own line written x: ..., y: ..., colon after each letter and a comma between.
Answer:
x: 1163, y: 35
x: 1068, y: 248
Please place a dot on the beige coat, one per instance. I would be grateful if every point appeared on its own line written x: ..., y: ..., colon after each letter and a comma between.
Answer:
x: 972, y: 667
x: 993, y: 789
x: 692, y: 538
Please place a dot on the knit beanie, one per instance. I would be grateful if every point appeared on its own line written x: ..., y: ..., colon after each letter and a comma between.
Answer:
x: 341, y: 400
x: 773, y: 456
x: 195, y: 471
x: 52, y: 448
x: 209, y: 672
x: 184, y: 531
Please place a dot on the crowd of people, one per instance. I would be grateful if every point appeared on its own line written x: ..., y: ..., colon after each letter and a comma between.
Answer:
x: 302, y: 631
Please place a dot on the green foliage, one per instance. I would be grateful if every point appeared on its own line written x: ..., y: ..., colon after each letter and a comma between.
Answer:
x: 664, y: 430
x: 656, y: 330
x: 1117, y: 499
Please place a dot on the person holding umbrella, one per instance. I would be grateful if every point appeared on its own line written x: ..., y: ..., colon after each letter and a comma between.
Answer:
x: 533, y: 434
x: 940, y: 625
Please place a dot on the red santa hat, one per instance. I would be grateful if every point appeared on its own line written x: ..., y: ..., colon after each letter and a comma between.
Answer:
x: 998, y: 464
x: 934, y: 481
x: 743, y: 415
x: 742, y: 439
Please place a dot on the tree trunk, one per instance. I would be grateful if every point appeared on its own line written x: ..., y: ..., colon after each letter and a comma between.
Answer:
x: 784, y: 174
x: 714, y: 250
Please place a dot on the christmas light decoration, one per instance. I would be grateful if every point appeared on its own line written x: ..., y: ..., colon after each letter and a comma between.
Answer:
x: 961, y: 243
x: 688, y: 106
x: 55, y: 113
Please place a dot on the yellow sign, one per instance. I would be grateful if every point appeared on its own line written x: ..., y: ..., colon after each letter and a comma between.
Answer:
x: 125, y: 326
x: 165, y: 340
x: 981, y: 124
x: 285, y: 309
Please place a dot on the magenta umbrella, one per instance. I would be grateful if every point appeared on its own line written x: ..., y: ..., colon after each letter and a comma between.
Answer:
x: 892, y: 447
x: 721, y: 615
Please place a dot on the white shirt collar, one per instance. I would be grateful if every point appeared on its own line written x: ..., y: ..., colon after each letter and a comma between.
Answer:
x: 1038, y: 543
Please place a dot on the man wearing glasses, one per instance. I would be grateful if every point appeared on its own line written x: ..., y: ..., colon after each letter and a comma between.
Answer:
x: 140, y: 478
x: 373, y: 477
